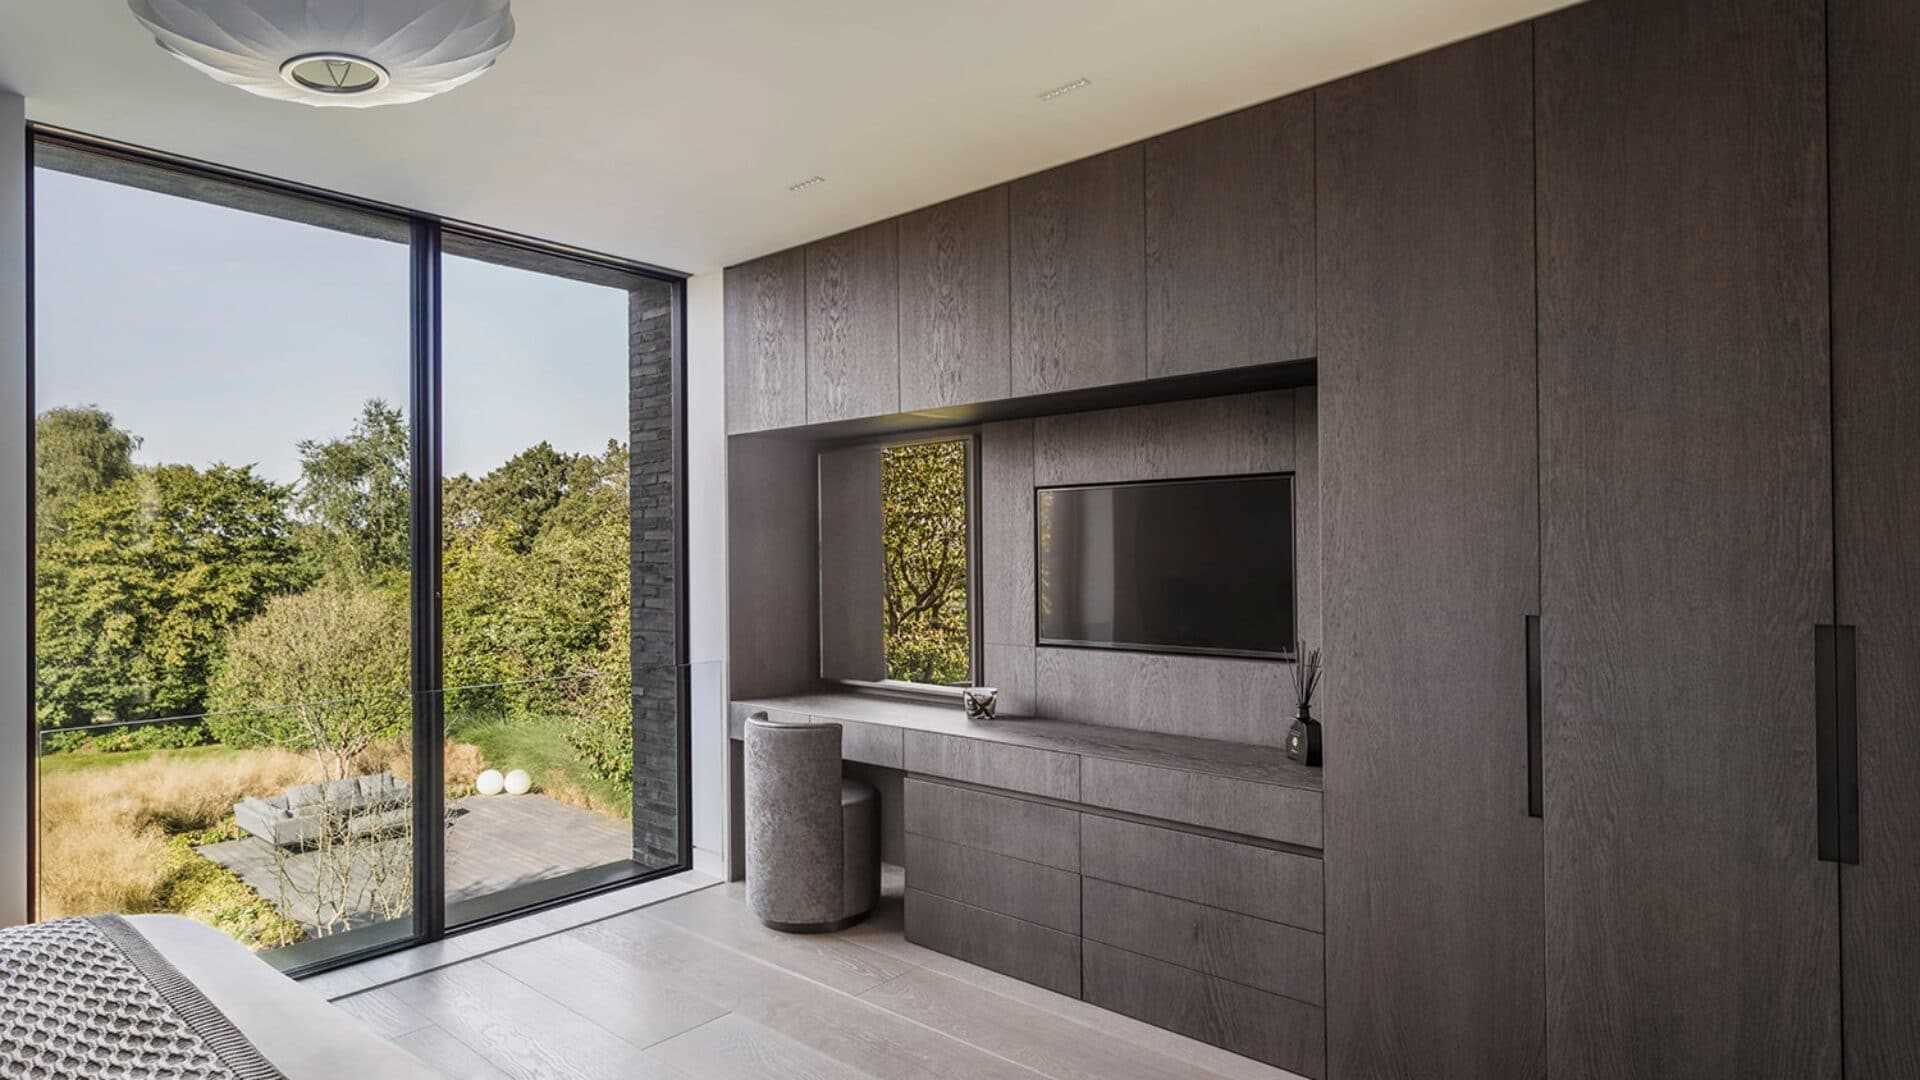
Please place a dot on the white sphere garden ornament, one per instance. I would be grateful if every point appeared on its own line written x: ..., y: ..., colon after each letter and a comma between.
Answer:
x: 518, y: 782
x: 489, y: 782
x: 351, y: 53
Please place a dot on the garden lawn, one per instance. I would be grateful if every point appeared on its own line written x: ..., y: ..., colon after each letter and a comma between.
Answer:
x: 540, y: 747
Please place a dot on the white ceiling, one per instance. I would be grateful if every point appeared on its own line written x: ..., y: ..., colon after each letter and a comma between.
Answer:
x: 669, y: 132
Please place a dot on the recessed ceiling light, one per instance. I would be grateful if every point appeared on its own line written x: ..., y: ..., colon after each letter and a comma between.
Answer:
x: 811, y: 181
x: 333, y: 52
x: 1064, y: 89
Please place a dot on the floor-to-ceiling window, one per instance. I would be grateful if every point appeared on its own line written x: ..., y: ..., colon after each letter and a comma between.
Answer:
x: 557, y: 521
x: 355, y: 607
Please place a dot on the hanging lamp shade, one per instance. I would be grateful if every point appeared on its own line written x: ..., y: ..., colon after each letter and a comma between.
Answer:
x: 355, y: 53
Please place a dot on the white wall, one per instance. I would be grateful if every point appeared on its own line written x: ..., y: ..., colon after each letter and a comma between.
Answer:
x: 707, y: 561
x: 15, y: 760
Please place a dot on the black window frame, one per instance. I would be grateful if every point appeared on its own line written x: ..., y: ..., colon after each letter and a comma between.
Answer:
x: 425, y: 420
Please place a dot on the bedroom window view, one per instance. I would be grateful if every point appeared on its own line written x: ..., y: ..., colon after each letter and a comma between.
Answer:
x: 924, y: 530
x: 226, y: 582
x: 221, y: 576
x: 538, y: 565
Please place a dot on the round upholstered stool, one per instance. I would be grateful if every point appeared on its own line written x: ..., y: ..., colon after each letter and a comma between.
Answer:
x: 813, y: 838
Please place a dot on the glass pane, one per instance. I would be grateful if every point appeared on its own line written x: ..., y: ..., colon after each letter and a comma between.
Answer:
x: 923, y: 508
x: 561, y: 692
x: 222, y: 570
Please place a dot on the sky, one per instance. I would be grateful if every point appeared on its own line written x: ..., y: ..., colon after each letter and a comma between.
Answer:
x: 223, y: 336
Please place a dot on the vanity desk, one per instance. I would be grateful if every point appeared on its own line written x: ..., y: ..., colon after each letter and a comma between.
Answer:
x: 1171, y: 878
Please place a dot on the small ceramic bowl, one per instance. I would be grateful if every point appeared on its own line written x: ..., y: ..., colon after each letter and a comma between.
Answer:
x: 980, y: 701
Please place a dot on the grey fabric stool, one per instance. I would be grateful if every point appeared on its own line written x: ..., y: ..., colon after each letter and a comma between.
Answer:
x: 813, y: 838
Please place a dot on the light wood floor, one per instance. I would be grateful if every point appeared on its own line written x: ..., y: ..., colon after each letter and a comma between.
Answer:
x: 693, y: 988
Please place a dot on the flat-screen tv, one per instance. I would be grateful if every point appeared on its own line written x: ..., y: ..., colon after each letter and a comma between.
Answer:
x: 1186, y: 566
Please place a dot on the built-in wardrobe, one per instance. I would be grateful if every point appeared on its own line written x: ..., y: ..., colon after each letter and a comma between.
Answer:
x: 1619, y: 364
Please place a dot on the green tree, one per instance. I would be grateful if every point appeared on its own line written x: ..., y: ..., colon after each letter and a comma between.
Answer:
x: 135, y: 598
x: 923, y: 495
x: 513, y: 499
x: 77, y: 451
x: 324, y: 671
x: 354, y: 496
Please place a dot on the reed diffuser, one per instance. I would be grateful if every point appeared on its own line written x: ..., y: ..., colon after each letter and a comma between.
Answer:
x: 1303, y: 739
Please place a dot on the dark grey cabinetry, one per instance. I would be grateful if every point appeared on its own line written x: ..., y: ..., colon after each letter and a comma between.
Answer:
x: 1428, y: 532
x: 954, y: 303
x: 1875, y: 130
x: 1079, y: 268
x: 1230, y: 239
x: 853, y: 325
x: 766, y: 328
x: 1692, y: 930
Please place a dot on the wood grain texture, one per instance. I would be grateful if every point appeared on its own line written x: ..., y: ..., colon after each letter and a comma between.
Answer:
x: 1253, y: 952
x: 1289, y: 815
x: 1006, y: 540
x: 1020, y: 1030
x: 737, y: 1048
x: 955, y: 304
x: 1687, y: 547
x: 1024, y: 950
x: 853, y: 324
x: 1203, y: 696
x: 1027, y: 891
x: 773, y: 567
x: 766, y: 327
x: 1010, y: 669
x: 1035, y: 832
x: 1875, y: 127
x: 1275, y: 885
x: 1230, y: 239
x: 994, y: 764
x: 853, y: 572
x: 1426, y: 418
x: 1267, y: 1027
x: 1309, y: 577
x: 1078, y: 256
x: 1220, y: 436
x: 872, y: 744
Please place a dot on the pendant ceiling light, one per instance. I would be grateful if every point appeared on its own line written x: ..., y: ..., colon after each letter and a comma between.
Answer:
x: 354, y: 53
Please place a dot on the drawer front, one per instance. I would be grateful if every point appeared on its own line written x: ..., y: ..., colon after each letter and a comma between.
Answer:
x: 1026, y: 951
x: 1267, y: 1027
x: 1048, y: 835
x: 870, y: 744
x: 1240, y: 948
x: 1024, y: 890
x: 990, y: 764
x: 1275, y: 885
x: 1289, y: 815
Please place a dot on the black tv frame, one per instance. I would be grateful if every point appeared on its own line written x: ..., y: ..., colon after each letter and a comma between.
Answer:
x: 1293, y: 567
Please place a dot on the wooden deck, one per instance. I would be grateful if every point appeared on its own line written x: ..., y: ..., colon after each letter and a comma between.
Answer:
x: 493, y: 843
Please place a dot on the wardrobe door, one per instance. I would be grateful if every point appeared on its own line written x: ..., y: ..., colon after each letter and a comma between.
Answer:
x: 1876, y: 387
x: 1692, y: 930
x: 1427, y: 444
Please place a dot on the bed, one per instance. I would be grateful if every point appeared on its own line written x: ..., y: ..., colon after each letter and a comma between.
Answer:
x: 160, y: 997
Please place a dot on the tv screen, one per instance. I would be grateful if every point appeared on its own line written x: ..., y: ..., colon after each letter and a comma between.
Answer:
x: 1195, y: 566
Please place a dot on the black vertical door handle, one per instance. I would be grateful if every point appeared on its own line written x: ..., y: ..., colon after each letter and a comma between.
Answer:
x: 1536, y: 796
x: 1836, y: 743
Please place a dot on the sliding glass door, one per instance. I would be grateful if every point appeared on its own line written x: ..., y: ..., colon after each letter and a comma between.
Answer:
x: 348, y: 629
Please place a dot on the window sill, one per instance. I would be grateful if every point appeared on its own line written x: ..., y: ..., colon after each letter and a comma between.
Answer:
x: 922, y: 691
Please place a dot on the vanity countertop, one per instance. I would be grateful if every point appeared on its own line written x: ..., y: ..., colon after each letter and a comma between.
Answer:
x: 1233, y: 760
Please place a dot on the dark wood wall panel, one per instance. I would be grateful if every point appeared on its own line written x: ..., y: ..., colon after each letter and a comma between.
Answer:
x: 1427, y: 473
x: 853, y: 325
x: 1875, y: 110
x: 766, y: 327
x: 773, y: 563
x: 1229, y: 240
x: 954, y: 303
x: 1687, y: 548
x: 853, y: 571
x: 1079, y: 275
